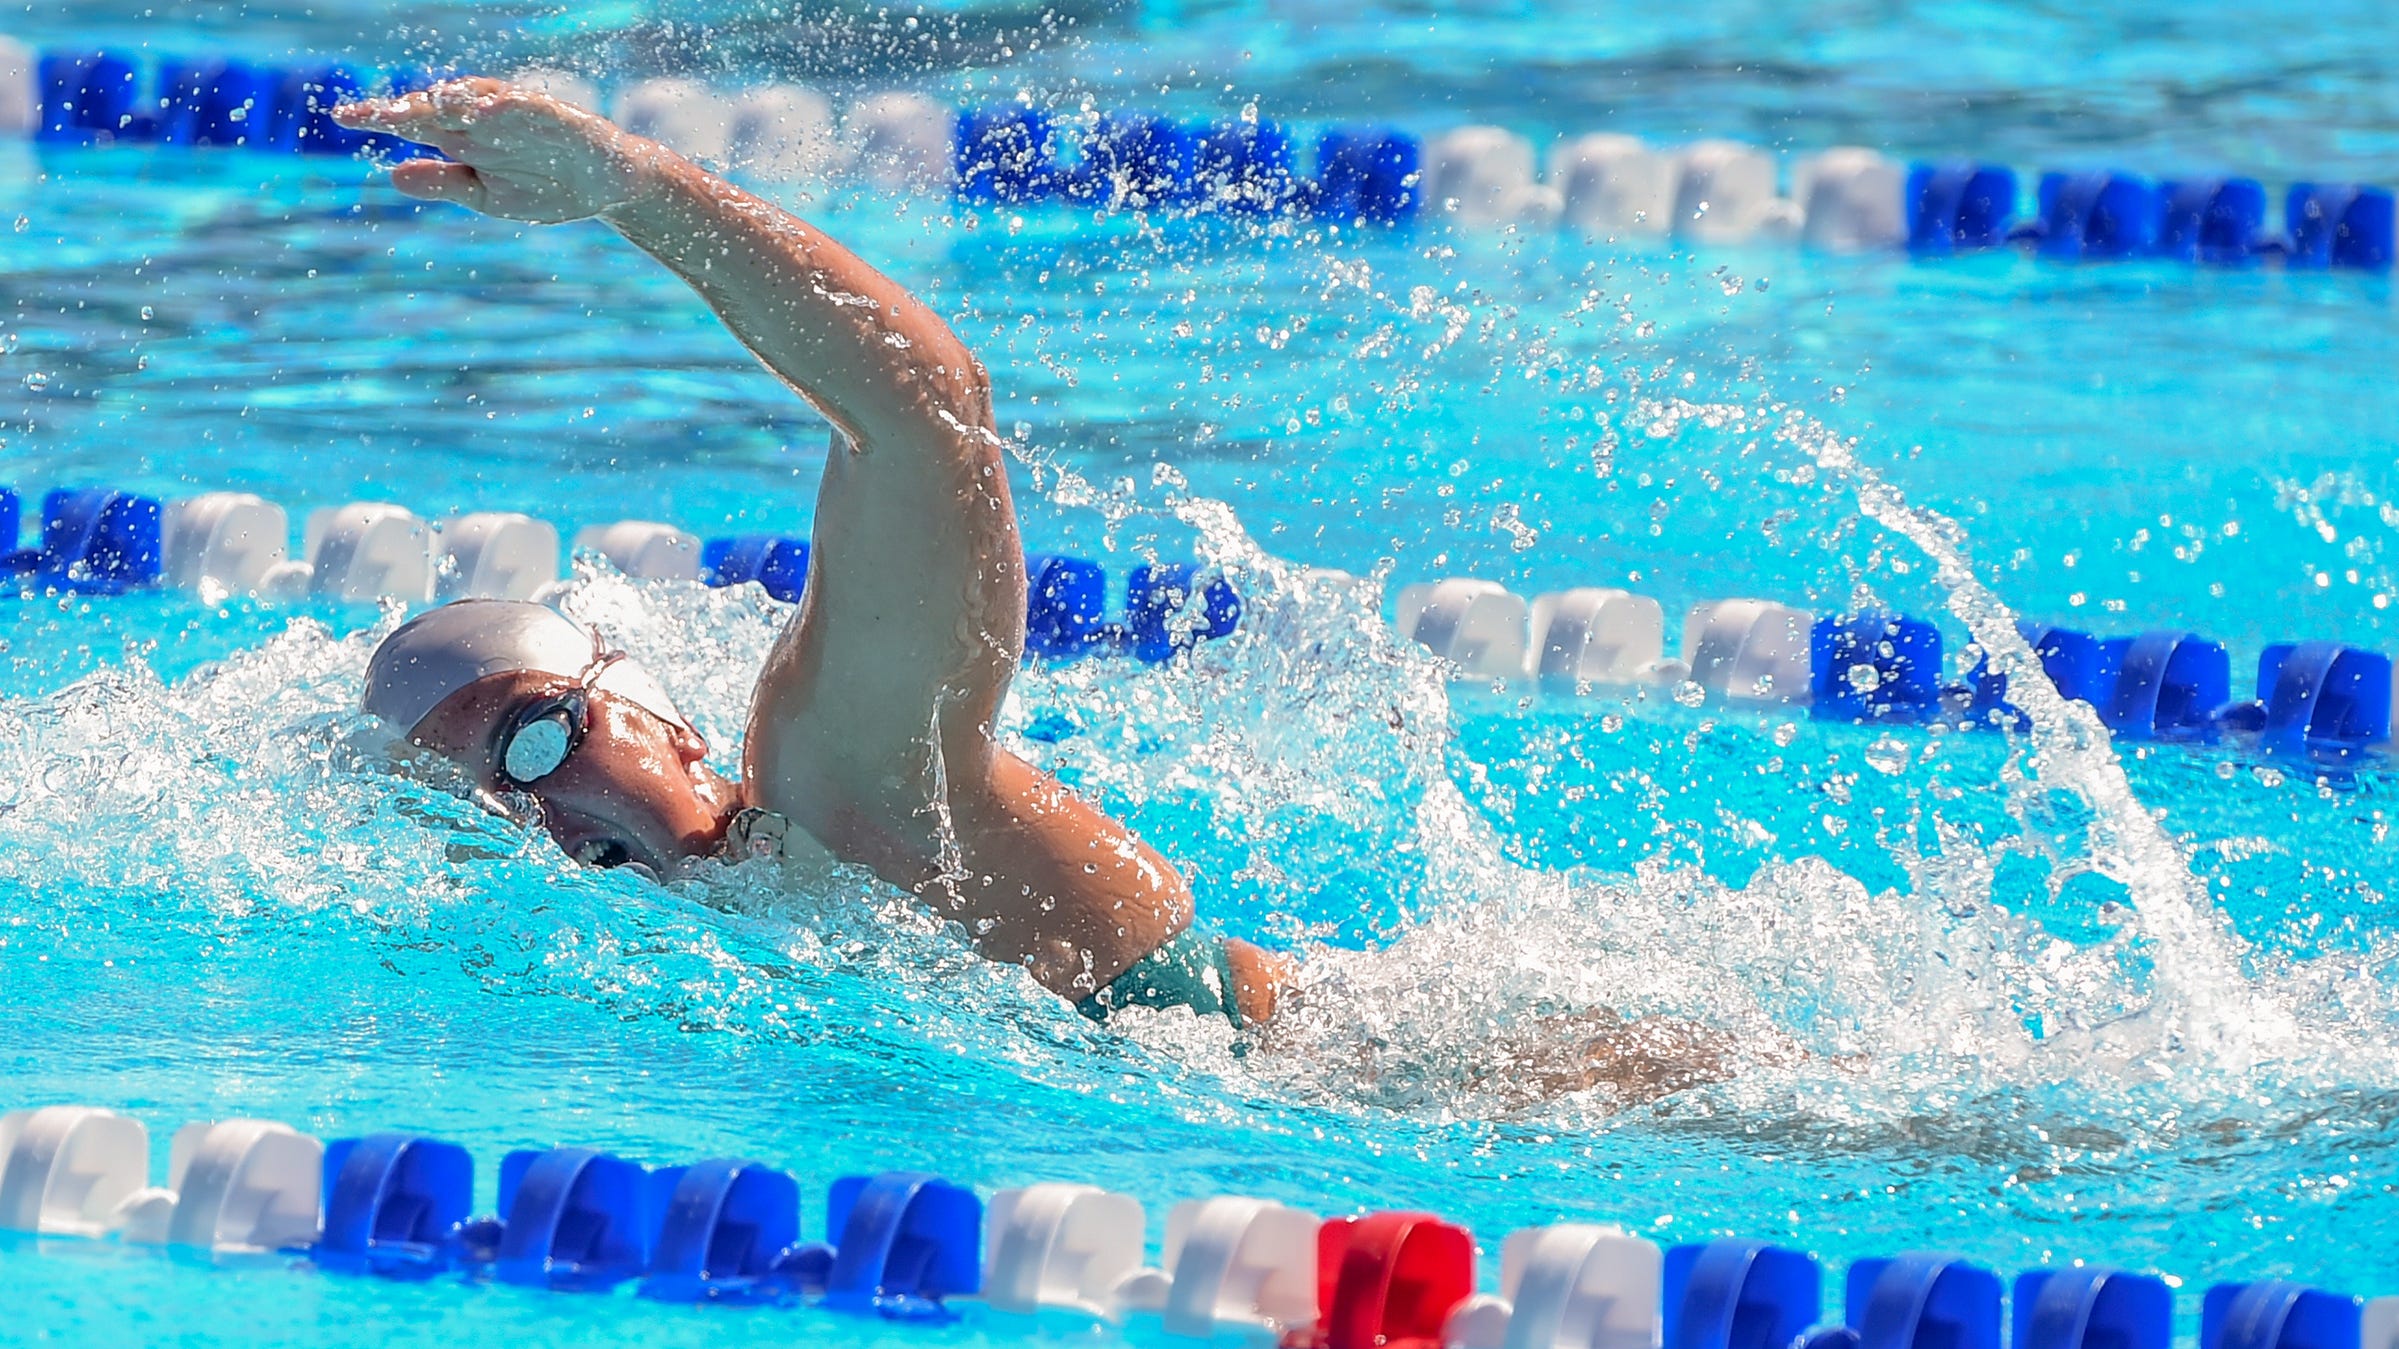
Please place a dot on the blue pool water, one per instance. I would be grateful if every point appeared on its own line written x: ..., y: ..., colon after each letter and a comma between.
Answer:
x: 2030, y: 999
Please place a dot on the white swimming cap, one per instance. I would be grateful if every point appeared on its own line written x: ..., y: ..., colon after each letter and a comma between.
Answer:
x: 441, y: 651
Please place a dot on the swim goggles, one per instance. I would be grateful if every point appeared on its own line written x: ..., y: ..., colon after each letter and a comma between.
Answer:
x: 545, y: 732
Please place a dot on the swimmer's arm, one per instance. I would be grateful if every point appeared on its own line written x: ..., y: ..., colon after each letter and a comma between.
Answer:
x: 917, y: 580
x: 917, y: 589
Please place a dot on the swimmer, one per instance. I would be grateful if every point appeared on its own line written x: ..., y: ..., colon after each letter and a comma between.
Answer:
x: 871, y: 729
x: 870, y: 732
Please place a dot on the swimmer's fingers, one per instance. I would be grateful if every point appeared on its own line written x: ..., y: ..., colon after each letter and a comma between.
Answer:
x: 455, y: 107
x: 433, y: 180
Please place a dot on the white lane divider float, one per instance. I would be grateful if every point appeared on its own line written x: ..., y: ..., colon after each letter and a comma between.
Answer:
x: 1568, y: 640
x: 786, y: 133
x: 1725, y: 194
x: 20, y: 91
x: 1613, y: 186
x: 1235, y: 1265
x: 1570, y: 1286
x: 369, y: 550
x: 66, y: 1170
x: 684, y: 115
x: 497, y: 555
x: 243, y: 1186
x: 902, y: 141
x: 229, y: 543
x: 644, y: 549
x: 1592, y: 635
x: 1479, y: 625
x: 233, y: 1186
x: 1484, y: 177
x: 1060, y: 1246
x: 1750, y: 651
x: 1852, y: 200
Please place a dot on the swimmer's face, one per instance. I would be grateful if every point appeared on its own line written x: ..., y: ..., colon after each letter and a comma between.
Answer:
x: 633, y: 788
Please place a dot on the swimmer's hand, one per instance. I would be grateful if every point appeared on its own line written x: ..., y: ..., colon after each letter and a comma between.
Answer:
x: 512, y: 152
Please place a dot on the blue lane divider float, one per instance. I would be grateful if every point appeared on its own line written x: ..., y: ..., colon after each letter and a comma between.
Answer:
x: 217, y: 103
x: 2168, y: 686
x: 1066, y: 601
x: 1009, y: 156
x: 1735, y: 1294
x: 2276, y: 1314
x: 2220, y: 221
x: 579, y: 1219
x: 1367, y: 176
x: 2339, y: 225
x: 2091, y: 1308
x: 1875, y: 667
x: 93, y: 541
x: 2322, y: 699
x: 777, y: 562
x: 1958, y: 206
x: 1005, y: 156
x: 902, y: 1243
x: 1159, y: 600
x: 1244, y: 167
x: 575, y: 1218
x: 1923, y: 1301
x: 2098, y: 215
x: 85, y: 94
x: 728, y: 1226
x: 396, y: 1205
x: 1138, y: 161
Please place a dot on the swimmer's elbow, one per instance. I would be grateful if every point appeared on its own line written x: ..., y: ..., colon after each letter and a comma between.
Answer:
x: 966, y: 385
x: 944, y: 394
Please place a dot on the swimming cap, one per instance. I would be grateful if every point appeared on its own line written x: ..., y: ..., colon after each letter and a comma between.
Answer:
x: 441, y: 651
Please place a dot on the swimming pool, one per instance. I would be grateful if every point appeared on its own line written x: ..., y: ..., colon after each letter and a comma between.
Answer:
x: 2031, y: 1042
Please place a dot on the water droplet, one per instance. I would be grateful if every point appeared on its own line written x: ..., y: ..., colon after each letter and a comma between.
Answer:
x: 1865, y: 678
x: 37, y: 381
x: 1612, y: 722
x: 148, y: 313
x: 1689, y: 694
x: 1888, y: 755
x: 24, y: 223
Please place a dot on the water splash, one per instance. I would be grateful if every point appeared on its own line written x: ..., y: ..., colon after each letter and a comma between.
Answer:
x: 2206, y: 1008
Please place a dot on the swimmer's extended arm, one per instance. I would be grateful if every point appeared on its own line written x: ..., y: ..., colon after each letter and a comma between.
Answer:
x: 872, y: 725
x: 917, y: 587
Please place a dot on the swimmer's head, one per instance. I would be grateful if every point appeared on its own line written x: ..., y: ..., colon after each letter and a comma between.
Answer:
x: 528, y: 702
